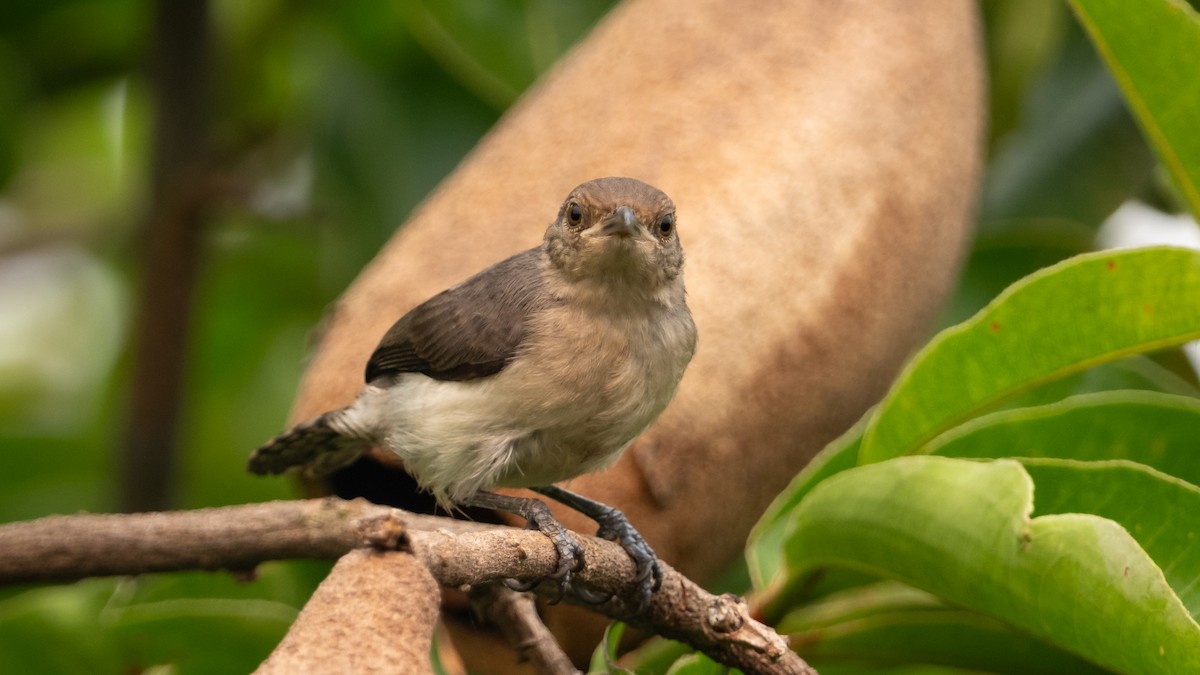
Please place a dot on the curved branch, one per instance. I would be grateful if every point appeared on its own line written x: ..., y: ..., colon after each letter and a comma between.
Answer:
x: 515, y: 614
x: 374, y: 613
x: 457, y: 554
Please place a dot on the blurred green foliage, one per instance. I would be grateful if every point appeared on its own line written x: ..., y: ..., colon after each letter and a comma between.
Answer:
x: 332, y: 120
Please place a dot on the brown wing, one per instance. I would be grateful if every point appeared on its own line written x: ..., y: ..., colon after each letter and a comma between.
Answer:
x: 472, y: 330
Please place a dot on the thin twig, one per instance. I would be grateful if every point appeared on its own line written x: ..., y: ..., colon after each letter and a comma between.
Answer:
x: 516, y: 615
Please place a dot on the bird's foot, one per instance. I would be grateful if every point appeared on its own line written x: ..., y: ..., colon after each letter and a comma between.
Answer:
x: 538, y: 517
x: 614, y: 526
x: 570, y: 551
x: 570, y: 559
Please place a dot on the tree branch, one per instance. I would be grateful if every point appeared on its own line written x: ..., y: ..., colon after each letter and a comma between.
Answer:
x: 65, y: 548
x: 516, y: 615
x: 457, y: 554
x: 374, y: 613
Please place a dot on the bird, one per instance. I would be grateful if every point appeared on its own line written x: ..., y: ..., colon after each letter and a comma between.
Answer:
x: 541, y: 368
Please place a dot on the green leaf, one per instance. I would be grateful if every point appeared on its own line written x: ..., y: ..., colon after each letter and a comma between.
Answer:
x: 1147, y: 45
x: 1158, y: 430
x: 1150, y: 427
x: 889, y: 622
x: 656, y: 655
x: 1090, y: 309
x: 764, y: 548
x: 604, y: 658
x: 697, y: 664
x: 963, y: 530
x: 1161, y: 512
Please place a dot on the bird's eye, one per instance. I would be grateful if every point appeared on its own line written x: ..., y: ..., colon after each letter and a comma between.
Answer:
x: 667, y: 224
x: 574, y: 213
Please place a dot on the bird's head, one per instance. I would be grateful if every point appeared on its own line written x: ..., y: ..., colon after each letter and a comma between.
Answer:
x: 619, y: 231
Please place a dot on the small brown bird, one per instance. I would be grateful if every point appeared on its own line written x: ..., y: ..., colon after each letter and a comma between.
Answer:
x: 540, y: 368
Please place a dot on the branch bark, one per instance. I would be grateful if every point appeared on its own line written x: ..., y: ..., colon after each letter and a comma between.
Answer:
x: 515, y: 614
x: 457, y: 554
x: 374, y: 613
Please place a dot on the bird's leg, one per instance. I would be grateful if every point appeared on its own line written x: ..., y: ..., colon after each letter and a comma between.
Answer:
x: 614, y: 526
x: 537, y: 516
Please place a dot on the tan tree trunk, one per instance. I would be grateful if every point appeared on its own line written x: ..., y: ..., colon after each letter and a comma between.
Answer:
x: 824, y: 156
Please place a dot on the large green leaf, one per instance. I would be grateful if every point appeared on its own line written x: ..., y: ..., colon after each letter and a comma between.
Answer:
x: 1144, y: 425
x: 1151, y: 428
x: 1158, y: 430
x: 1149, y: 45
x: 963, y: 530
x: 1161, y: 512
x: 1084, y: 311
x: 889, y: 622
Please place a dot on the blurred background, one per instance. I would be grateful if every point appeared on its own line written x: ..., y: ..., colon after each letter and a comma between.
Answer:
x: 185, y: 186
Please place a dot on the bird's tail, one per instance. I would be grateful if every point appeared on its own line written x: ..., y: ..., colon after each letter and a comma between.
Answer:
x: 318, y: 446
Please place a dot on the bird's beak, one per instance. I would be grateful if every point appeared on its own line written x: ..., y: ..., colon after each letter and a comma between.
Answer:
x: 622, y: 223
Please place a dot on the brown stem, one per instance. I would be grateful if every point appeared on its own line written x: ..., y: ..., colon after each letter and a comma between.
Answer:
x: 516, y: 615
x: 179, y: 196
x: 65, y: 548
x: 457, y: 554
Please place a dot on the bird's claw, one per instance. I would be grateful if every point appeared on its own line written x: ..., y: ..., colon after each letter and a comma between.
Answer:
x: 570, y: 554
x: 614, y: 526
x: 649, y: 572
x: 521, y: 586
x: 589, y: 597
x: 570, y: 560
